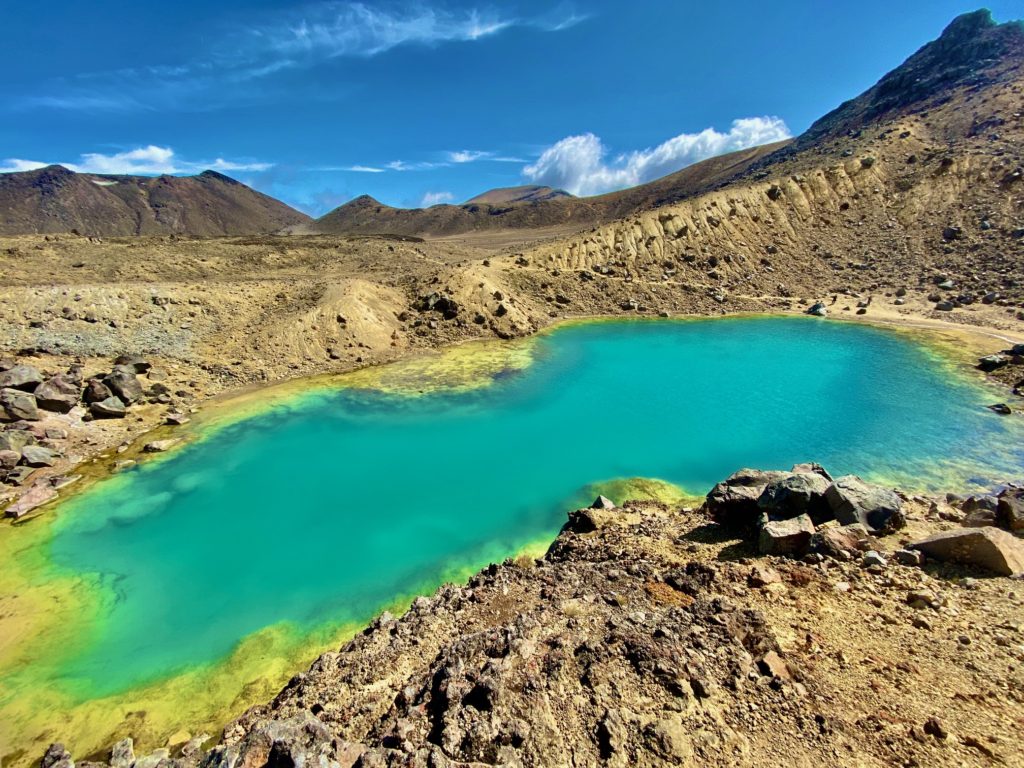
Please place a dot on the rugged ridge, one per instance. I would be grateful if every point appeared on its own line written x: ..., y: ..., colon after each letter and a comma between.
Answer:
x: 55, y: 200
x: 495, y: 212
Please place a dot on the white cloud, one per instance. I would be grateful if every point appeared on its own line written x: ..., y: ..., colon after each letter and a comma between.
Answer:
x: 578, y: 163
x: 435, y: 198
x: 468, y: 156
x: 333, y: 29
x: 144, y: 161
x: 290, y: 39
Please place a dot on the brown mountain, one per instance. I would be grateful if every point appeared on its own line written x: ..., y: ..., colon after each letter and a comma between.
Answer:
x: 496, y: 210
x: 530, y: 193
x: 54, y: 199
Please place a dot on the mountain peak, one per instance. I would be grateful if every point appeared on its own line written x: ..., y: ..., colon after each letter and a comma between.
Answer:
x: 530, y: 193
x: 972, y: 49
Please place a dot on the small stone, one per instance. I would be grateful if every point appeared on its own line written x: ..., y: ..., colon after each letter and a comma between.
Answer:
x: 872, y: 558
x: 934, y: 727
x: 909, y: 557
x: 159, y: 446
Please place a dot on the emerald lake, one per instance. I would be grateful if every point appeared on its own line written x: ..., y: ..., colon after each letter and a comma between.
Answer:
x: 321, y: 510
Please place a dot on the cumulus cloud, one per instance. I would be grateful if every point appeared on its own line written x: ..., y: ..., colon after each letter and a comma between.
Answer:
x: 436, y: 198
x: 144, y: 161
x: 579, y: 163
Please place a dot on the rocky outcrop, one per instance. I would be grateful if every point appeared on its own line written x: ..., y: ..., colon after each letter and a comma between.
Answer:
x: 990, y: 549
x: 783, y: 508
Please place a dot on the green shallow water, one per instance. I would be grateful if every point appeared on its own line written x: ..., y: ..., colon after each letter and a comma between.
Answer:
x: 322, y: 510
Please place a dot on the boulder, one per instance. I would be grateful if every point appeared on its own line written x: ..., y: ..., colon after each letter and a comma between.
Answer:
x: 1010, y: 512
x: 37, y: 456
x: 16, y: 439
x: 945, y: 306
x: 841, y: 541
x: 122, y: 754
x: 35, y: 497
x: 111, y: 408
x: 16, y: 405
x: 988, y: 548
x: 979, y: 502
x: 123, y: 383
x: 58, y: 393
x: 733, y: 502
x: 854, y: 501
x: 979, y: 518
x: 9, y: 459
x: 794, y: 495
x: 811, y: 466
x: 136, y: 363
x: 1001, y: 408
x: 786, y: 537
x: 818, y: 309
x: 96, y: 391
x: 23, y: 377
x: 603, y: 502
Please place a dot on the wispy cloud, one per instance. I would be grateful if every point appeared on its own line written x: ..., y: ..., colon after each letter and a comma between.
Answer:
x: 578, y: 163
x: 436, y: 198
x: 147, y: 160
x: 468, y: 156
x: 297, y: 38
x: 348, y: 169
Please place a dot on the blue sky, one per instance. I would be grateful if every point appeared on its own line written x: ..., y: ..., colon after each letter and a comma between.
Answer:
x: 430, y: 101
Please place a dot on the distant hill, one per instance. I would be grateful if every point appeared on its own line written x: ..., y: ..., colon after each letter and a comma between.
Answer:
x: 526, y: 194
x: 54, y: 199
x: 521, y: 208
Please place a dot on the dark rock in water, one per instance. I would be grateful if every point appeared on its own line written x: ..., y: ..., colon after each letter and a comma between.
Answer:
x: 1001, y: 408
x: 603, y: 502
x: 23, y: 377
x: 125, y: 385
x: 794, y: 495
x: 854, y: 501
x: 137, y: 364
x: 16, y: 405
x: 95, y: 391
x: 786, y: 537
x: 990, y: 549
x: 37, y: 456
x: 111, y: 408
x: 1010, y: 512
x: 992, y: 362
x: 733, y: 502
x: 58, y: 394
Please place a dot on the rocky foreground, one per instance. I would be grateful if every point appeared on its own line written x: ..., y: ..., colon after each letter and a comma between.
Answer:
x: 793, y: 619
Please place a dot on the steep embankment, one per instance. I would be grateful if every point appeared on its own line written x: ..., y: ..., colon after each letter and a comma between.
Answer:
x: 55, y: 200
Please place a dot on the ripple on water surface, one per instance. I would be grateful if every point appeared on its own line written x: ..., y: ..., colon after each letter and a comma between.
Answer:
x: 320, y: 513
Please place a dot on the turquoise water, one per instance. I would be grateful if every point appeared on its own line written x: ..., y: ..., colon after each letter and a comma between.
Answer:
x: 324, y: 511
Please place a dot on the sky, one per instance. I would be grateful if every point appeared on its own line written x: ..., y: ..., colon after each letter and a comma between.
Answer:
x: 433, y: 101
